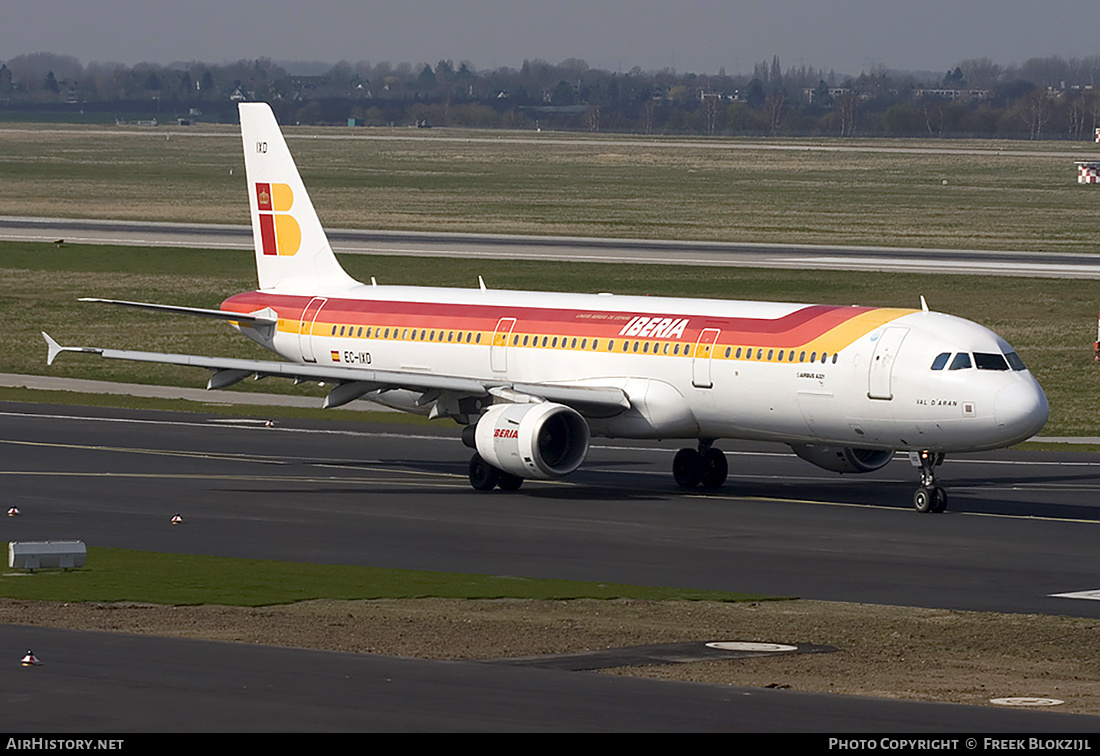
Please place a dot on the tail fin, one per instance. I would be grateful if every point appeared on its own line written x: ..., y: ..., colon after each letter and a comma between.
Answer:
x: 292, y: 251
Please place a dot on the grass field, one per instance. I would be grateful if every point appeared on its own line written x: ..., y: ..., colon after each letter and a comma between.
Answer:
x: 1052, y: 323
x: 997, y: 195
x: 181, y: 579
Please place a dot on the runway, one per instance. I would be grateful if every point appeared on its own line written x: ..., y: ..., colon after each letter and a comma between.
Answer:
x: 1020, y: 527
x: 626, y: 251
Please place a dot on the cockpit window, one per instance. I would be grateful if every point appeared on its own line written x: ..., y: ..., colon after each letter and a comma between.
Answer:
x: 1015, y: 361
x: 941, y: 360
x: 990, y: 361
x: 961, y: 362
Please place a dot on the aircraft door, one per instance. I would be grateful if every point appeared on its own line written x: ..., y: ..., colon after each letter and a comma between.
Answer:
x: 498, y: 350
x: 700, y: 361
x: 305, y: 328
x: 881, y: 369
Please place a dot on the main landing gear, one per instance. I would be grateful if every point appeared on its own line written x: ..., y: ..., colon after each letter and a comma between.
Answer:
x: 485, y: 477
x: 704, y: 467
x: 929, y: 497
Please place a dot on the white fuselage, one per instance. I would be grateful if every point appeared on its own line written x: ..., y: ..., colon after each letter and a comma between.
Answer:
x: 855, y: 377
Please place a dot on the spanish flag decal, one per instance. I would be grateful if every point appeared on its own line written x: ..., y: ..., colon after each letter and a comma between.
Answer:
x: 335, y: 356
x: 280, y: 234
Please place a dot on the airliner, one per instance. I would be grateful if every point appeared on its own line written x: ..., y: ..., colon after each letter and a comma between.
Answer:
x: 533, y: 376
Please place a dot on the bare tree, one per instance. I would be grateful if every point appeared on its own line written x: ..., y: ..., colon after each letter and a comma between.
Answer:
x: 1035, y: 110
x: 711, y: 107
x: 847, y: 109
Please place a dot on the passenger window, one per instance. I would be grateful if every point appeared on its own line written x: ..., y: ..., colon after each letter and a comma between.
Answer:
x: 961, y: 362
x: 1015, y: 361
x: 342, y: 330
x: 941, y: 360
x: 738, y: 354
x: 990, y: 361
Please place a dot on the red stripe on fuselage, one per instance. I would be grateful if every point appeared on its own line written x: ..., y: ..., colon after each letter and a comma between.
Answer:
x: 799, y: 327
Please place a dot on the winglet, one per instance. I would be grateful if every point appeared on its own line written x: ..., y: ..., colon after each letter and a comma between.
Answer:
x: 56, y: 349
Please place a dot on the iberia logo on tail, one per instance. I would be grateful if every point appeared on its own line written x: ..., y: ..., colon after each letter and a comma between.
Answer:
x: 280, y: 233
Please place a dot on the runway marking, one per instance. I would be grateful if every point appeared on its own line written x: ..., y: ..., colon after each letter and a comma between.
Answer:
x: 906, y: 510
x: 1089, y: 595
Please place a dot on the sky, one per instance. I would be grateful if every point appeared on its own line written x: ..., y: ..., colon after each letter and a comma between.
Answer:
x: 700, y: 36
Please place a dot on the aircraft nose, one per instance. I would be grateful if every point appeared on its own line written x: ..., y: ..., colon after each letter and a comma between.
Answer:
x: 1021, y: 409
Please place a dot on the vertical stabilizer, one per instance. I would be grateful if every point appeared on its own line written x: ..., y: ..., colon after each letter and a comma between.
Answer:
x: 292, y: 252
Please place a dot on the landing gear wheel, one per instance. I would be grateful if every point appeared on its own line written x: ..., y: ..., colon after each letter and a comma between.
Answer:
x: 509, y: 482
x: 939, y: 499
x: 483, y: 476
x: 929, y: 497
x: 715, y: 468
x: 688, y: 468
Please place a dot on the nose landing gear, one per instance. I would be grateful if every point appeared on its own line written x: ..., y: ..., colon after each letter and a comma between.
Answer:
x: 929, y: 497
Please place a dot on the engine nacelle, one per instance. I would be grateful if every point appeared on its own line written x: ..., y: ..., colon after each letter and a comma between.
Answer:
x: 534, y: 441
x: 843, y: 459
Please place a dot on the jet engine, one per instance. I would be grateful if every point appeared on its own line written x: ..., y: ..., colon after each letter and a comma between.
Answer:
x: 533, y: 441
x: 843, y: 459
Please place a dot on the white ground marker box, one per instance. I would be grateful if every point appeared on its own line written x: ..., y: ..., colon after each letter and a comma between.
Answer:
x: 44, y: 555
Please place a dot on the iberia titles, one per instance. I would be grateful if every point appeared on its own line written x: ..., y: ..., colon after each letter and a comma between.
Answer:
x: 655, y: 328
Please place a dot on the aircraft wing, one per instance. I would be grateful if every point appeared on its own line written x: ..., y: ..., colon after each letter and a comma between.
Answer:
x: 352, y: 383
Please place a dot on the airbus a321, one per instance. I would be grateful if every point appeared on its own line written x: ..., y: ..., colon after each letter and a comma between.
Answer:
x: 533, y: 376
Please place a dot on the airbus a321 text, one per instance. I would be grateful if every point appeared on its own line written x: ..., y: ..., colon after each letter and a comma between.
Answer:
x: 534, y: 376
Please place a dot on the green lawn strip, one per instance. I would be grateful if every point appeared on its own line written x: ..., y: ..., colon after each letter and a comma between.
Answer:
x: 265, y: 411
x: 179, y: 579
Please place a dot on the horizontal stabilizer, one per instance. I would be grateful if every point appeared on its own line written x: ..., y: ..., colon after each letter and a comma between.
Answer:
x: 255, y: 319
